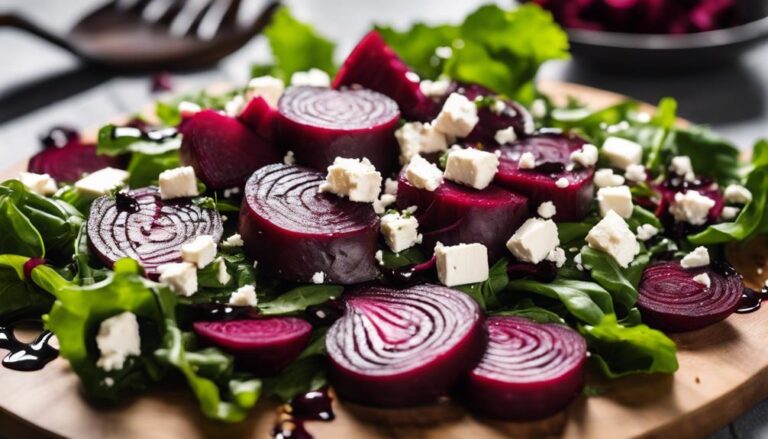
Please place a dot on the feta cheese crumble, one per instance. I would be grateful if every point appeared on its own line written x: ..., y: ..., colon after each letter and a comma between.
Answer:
x: 201, y: 251
x: 41, y: 184
x: 699, y: 257
x: 102, y: 181
x: 612, y: 236
x: 539, y: 108
x: 423, y: 174
x: 267, y: 87
x: 416, y: 138
x: 737, y: 194
x: 435, y: 89
x: 379, y: 257
x: 289, y: 158
x: 178, y: 183
x: 384, y: 201
x: 458, y: 116
x: 507, y: 135
x: 557, y: 255
x: 617, y: 199
x: 646, y: 232
x: 400, y: 231
x: 118, y: 338
x: 586, y: 156
x: 526, y: 161
x: 355, y: 179
x: 222, y: 275
x: 703, y: 279
x: 181, y: 277
x: 562, y: 183
x: 461, y: 264
x: 244, y: 296
x: 318, y: 278
x: 534, y: 240
x: 691, y: 207
x: 636, y: 173
x: 681, y: 166
x: 471, y: 167
x: 188, y: 109
x: 606, y: 178
x: 547, y: 210
x: 622, y: 152
x: 729, y: 213
x: 234, y: 241
x: 390, y: 186
x: 312, y: 78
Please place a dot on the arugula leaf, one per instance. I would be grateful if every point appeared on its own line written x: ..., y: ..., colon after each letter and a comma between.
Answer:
x: 144, y: 169
x: 417, y: 46
x: 587, y: 301
x: 527, y: 309
x: 620, y: 350
x: 305, y: 374
x: 19, y: 297
x: 607, y: 273
x: 298, y: 299
x: 409, y: 256
x: 710, y: 154
x: 486, y: 293
x: 19, y: 235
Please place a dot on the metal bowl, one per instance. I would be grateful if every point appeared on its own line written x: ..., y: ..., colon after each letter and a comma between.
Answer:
x: 663, y: 54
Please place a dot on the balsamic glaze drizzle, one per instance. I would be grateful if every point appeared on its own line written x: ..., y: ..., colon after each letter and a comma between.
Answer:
x: 751, y: 300
x: 26, y: 356
x: 311, y: 406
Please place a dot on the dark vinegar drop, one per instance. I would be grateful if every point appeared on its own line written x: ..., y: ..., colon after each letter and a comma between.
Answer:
x: 26, y: 356
x: 311, y: 406
x: 751, y: 300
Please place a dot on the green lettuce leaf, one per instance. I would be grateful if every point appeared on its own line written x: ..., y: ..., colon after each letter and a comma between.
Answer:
x: 486, y: 293
x: 587, y: 301
x: 417, y: 45
x: 20, y: 298
x: 298, y: 299
x: 621, y: 283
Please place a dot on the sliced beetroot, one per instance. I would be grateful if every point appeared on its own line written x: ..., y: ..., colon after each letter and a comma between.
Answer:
x: 552, y: 153
x: 401, y: 348
x: 320, y: 124
x: 670, y: 187
x: 261, y: 118
x: 295, y: 232
x: 529, y: 370
x: 374, y: 65
x: 263, y: 346
x: 670, y: 299
x: 67, y: 163
x: 492, y: 119
x: 223, y: 151
x: 140, y: 225
x: 455, y: 214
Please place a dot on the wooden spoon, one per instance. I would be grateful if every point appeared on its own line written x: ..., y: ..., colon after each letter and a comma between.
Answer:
x: 155, y: 34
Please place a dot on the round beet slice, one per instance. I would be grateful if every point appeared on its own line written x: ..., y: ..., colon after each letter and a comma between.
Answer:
x: 320, y: 124
x: 223, y: 151
x: 455, y: 214
x: 529, y: 370
x: 140, y: 225
x: 295, y: 232
x: 671, y: 300
x: 263, y: 346
x: 400, y: 348
x: 552, y: 153
x: 374, y: 65
x: 492, y: 119
x: 69, y: 162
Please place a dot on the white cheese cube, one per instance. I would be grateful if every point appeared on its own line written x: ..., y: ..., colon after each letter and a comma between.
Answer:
x: 729, y: 213
x: 547, y: 210
x: 181, y: 277
x: 703, y: 279
x: 533, y: 241
x: 562, y: 183
x: 681, y: 166
x: 313, y: 78
x: 526, y: 161
x: 617, y: 199
x: 586, y: 156
x: 318, y: 278
x: 612, y: 236
x: 461, y: 264
x: 646, y: 232
x: 118, y: 338
x: 606, y: 178
x: 380, y: 205
x: 737, y: 194
x: 423, y: 174
x: 201, y: 251
x: 622, y: 152
x: 691, y: 207
x: 102, y: 181
x: 557, y: 255
x: 267, y: 87
x: 244, y: 296
x: 390, y: 186
x: 400, y: 231
x: 41, y: 184
x: 355, y: 179
x: 507, y: 135
x: 699, y: 257
x: 178, y: 183
x: 636, y: 173
x: 415, y: 138
x: 222, y: 275
x: 188, y: 109
x: 458, y: 116
x: 471, y: 167
x: 435, y: 89
x: 234, y: 241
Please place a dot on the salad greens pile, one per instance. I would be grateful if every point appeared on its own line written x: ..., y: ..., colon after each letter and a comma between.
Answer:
x: 499, y: 49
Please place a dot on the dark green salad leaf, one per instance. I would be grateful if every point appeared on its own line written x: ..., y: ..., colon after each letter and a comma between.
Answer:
x: 486, y: 293
x: 298, y: 299
x: 20, y: 298
x: 616, y: 280
x: 587, y: 301
x: 417, y: 46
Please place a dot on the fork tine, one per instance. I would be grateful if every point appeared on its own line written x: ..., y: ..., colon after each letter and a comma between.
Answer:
x: 215, y: 16
x: 155, y: 10
x: 188, y: 16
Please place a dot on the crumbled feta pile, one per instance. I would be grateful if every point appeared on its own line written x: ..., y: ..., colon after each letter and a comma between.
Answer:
x: 318, y: 278
x: 612, y: 236
x: 681, y: 166
x: 636, y: 173
x: 201, y: 251
x: 41, y: 184
x: 526, y: 161
x: 423, y: 174
x: 461, y: 264
x: 384, y: 201
x: 507, y: 135
x: 435, y: 89
x: 458, y: 116
x: 617, y: 199
x: 562, y: 183
x: 471, y: 167
x: 289, y: 158
x: 646, y: 232
x: 699, y: 257
x: 181, y: 277
x: 313, y: 78
x: 586, y: 156
x: 736, y: 194
x: 355, y: 179
x: 534, y: 240
x: 178, y: 183
x: 267, y: 87
x: 691, y: 207
x: 419, y: 138
x: 703, y: 279
x: 233, y: 241
x: 102, y: 181
x: 222, y: 275
x: 400, y: 231
x: 244, y: 296
x: 118, y: 338
x: 622, y: 152
x: 390, y: 186
x: 547, y: 210
x: 557, y: 255
x: 729, y: 213
x: 606, y: 178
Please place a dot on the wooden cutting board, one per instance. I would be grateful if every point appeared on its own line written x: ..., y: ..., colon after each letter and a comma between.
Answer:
x: 723, y: 372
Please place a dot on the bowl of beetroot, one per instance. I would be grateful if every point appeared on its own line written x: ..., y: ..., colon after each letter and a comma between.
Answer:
x: 660, y: 36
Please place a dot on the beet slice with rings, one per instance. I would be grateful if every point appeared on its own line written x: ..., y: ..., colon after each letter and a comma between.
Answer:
x: 262, y: 118
x: 455, y: 214
x: 139, y: 224
x: 402, y: 348
x: 263, y: 346
x: 552, y: 154
x: 529, y: 370
x: 374, y: 65
x: 295, y: 232
x: 319, y: 124
x: 491, y: 119
x: 66, y: 158
x: 671, y: 300
x: 223, y: 151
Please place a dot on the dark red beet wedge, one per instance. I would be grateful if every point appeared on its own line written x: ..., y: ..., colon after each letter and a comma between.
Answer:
x: 670, y: 187
x: 223, y: 151
x: 320, y: 124
x: 263, y: 346
x: 671, y: 300
x: 455, y: 214
x: 529, y: 370
x: 401, y: 348
x: 140, y: 225
x: 491, y: 121
x: 260, y: 117
x: 374, y: 65
x: 552, y: 153
x: 69, y: 162
x: 294, y: 232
